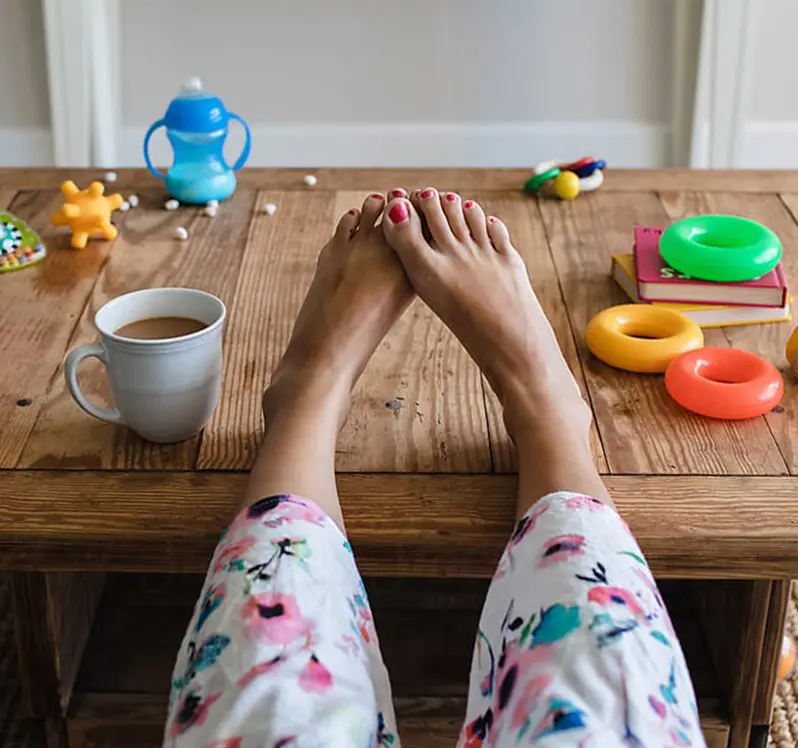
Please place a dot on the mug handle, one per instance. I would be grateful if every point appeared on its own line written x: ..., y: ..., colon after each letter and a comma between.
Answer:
x: 242, y: 159
x: 153, y: 127
x: 92, y: 350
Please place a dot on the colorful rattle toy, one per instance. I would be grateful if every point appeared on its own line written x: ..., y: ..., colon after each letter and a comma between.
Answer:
x: 197, y: 124
x: 724, y: 383
x: 726, y: 249
x: 20, y: 245
x: 642, y: 339
x: 87, y: 212
x: 566, y: 180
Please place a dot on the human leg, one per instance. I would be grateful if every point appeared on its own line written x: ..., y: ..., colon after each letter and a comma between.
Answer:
x: 281, y: 649
x: 575, y: 645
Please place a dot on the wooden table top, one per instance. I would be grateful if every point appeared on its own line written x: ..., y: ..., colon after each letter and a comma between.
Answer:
x: 427, y: 488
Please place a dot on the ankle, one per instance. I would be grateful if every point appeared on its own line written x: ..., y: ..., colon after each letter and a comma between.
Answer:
x: 291, y: 399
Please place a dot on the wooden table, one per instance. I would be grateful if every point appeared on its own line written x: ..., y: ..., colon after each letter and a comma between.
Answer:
x: 427, y: 489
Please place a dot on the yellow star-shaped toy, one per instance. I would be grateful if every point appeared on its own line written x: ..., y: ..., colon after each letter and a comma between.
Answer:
x: 87, y: 212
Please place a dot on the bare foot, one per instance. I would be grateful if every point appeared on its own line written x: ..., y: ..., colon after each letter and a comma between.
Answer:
x: 360, y: 289
x: 473, y: 278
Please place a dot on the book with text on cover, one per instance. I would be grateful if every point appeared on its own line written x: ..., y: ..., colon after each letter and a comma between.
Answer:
x: 658, y: 282
x: 704, y: 315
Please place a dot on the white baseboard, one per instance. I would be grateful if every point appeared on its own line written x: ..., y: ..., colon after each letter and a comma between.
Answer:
x: 26, y: 146
x: 770, y: 145
x: 431, y: 144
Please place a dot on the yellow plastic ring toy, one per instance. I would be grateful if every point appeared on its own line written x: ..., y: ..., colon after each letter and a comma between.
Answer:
x: 792, y: 351
x: 640, y: 338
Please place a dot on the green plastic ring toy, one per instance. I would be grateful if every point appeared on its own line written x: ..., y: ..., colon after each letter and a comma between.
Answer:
x: 536, y: 181
x: 725, y: 249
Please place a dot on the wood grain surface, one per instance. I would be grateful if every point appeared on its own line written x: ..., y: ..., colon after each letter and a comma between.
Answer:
x: 412, y: 525
x: 642, y: 429
x: 279, y: 258
x: 145, y: 255
x: 39, y: 311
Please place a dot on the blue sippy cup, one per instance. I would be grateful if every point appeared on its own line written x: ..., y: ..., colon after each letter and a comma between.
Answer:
x: 196, y: 124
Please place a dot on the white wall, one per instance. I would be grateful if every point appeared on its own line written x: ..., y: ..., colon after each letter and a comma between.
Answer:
x: 25, y: 113
x: 417, y: 82
x: 770, y: 133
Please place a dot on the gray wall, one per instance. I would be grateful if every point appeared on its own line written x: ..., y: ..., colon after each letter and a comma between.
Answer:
x: 446, y: 81
x: 23, y: 68
x: 409, y: 61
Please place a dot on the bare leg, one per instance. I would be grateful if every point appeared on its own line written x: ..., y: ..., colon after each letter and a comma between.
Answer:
x: 359, y: 291
x: 476, y: 282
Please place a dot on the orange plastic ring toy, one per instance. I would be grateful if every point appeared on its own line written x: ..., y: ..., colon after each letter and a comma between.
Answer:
x: 724, y: 383
x: 639, y: 338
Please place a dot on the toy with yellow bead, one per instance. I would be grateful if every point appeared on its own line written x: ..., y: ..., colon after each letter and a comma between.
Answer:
x: 566, y: 180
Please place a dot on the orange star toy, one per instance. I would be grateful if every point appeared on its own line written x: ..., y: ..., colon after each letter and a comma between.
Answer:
x: 87, y: 212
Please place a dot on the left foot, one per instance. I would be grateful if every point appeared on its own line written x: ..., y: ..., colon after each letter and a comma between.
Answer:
x: 360, y: 289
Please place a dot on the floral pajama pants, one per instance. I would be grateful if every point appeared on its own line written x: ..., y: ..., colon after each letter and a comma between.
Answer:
x: 574, y: 647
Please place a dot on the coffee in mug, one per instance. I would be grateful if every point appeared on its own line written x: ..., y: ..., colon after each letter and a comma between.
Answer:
x: 157, y: 328
x: 162, y: 349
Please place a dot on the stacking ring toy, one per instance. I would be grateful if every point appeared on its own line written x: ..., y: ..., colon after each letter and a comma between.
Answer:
x: 642, y: 339
x: 724, y: 383
x: 727, y: 249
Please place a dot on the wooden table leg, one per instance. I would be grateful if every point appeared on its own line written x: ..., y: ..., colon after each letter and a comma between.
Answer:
x: 768, y: 672
x: 52, y: 613
x: 734, y: 616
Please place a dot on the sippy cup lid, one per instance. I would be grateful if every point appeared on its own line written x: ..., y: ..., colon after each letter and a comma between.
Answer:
x: 196, y: 110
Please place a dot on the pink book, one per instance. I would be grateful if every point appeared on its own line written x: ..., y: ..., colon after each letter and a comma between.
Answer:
x: 658, y: 282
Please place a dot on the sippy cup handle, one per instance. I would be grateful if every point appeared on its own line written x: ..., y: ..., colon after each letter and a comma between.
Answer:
x: 242, y: 159
x: 153, y: 127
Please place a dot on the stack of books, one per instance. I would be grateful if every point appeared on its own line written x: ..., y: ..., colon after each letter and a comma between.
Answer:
x: 645, y: 278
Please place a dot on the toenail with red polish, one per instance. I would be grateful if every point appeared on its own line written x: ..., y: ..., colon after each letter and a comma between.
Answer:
x: 352, y: 212
x: 398, y: 193
x: 491, y: 220
x: 376, y: 196
x: 427, y: 194
x: 451, y: 197
x: 469, y: 204
x: 399, y: 213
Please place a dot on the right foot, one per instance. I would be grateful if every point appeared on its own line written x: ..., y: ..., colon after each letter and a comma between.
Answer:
x: 473, y: 278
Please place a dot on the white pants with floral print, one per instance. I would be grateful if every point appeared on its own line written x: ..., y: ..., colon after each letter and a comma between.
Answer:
x: 574, y: 648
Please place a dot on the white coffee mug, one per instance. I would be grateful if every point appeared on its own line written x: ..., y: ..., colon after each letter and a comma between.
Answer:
x: 165, y: 389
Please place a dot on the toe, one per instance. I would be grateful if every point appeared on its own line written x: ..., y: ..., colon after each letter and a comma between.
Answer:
x: 438, y: 224
x: 372, y: 210
x: 453, y: 208
x: 397, y: 192
x: 499, y: 235
x: 477, y: 224
x: 402, y: 229
x: 348, y: 224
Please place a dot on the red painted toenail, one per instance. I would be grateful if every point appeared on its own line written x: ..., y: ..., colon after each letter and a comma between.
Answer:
x: 451, y: 197
x: 491, y: 219
x: 376, y: 196
x: 398, y: 193
x: 469, y: 204
x: 399, y: 213
x: 427, y: 194
x: 352, y: 212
